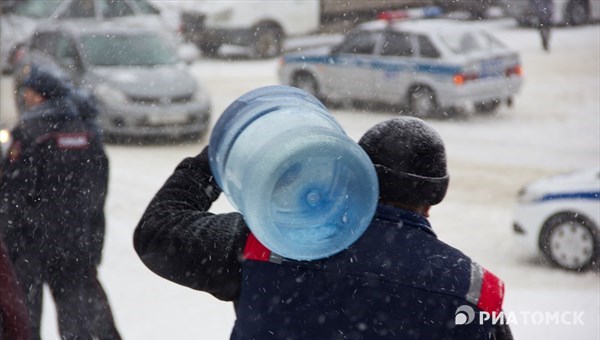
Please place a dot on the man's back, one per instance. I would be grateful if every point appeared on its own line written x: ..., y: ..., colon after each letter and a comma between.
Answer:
x: 398, y: 282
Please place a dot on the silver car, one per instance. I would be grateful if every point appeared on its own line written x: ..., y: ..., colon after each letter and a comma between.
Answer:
x: 142, y: 86
x: 431, y: 66
x: 21, y: 19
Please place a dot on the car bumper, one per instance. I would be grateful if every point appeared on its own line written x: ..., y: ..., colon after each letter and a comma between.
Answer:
x: 155, y: 120
x: 527, y: 226
x: 482, y: 90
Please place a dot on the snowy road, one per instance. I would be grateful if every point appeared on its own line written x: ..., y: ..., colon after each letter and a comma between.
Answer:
x: 553, y: 127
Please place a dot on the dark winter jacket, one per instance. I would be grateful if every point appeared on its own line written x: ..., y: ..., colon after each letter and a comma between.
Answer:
x: 54, y: 184
x: 398, y: 281
x: 14, y: 316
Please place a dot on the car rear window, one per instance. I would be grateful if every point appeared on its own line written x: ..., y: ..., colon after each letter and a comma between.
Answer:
x: 127, y: 50
x: 469, y: 42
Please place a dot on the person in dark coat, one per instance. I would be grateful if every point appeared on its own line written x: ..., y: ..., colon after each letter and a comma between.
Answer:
x: 544, y: 12
x: 52, y: 198
x: 397, y: 281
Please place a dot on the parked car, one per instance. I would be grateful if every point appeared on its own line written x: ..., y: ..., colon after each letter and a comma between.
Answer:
x: 432, y: 66
x: 143, y: 88
x: 560, y: 217
x: 18, y: 24
x: 260, y: 25
x: 566, y: 12
x: 477, y: 9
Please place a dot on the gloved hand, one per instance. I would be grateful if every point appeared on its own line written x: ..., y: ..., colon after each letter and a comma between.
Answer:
x: 198, y: 170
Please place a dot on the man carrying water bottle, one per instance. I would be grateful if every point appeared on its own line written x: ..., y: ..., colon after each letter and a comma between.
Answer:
x: 397, y: 281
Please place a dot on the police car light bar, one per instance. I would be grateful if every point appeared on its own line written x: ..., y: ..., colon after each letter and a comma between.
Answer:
x: 414, y: 13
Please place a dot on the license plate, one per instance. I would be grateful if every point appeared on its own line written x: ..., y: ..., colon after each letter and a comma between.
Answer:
x: 167, y: 119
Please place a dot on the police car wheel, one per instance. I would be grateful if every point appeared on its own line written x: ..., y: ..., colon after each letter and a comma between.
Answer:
x: 570, y: 241
x: 307, y: 83
x: 487, y: 107
x: 422, y: 101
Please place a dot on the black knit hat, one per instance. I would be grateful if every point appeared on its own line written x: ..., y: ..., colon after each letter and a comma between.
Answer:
x: 410, y: 161
x: 47, y: 83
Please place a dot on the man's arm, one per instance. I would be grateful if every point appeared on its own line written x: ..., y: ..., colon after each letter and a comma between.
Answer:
x: 178, y: 239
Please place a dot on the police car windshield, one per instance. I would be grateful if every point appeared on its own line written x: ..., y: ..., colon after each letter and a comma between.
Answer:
x: 127, y: 50
x: 469, y: 42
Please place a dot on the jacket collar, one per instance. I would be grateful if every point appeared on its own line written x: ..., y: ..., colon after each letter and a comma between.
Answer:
x: 404, y: 217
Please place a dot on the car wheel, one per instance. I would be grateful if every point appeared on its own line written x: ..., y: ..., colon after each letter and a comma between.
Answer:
x: 570, y: 241
x: 307, y: 83
x: 422, y: 101
x: 576, y: 13
x: 267, y: 42
x: 209, y: 50
x: 487, y: 107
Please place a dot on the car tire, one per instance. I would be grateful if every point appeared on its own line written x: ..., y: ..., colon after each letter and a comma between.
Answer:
x: 570, y: 241
x: 209, y: 50
x: 422, y: 101
x: 576, y: 13
x: 267, y: 41
x: 487, y: 107
x: 307, y: 83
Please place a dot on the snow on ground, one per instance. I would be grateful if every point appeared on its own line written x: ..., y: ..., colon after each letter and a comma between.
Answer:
x: 553, y: 127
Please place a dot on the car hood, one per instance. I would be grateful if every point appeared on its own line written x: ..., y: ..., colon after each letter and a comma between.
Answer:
x: 157, y: 81
x: 584, y: 180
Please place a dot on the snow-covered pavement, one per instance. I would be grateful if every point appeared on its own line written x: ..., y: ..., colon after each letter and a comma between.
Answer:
x: 553, y: 127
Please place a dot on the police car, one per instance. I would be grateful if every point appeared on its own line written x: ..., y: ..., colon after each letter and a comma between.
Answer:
x: 560, y: 216
x: 432, y: 66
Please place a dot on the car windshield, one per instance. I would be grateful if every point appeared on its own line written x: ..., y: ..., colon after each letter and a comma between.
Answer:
x: 469, y: 42
x: 146, y: 7
x: 36, y: 9
x: 127, y: 50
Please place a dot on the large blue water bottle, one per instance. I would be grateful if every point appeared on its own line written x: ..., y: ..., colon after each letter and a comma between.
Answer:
x: 306, y: 190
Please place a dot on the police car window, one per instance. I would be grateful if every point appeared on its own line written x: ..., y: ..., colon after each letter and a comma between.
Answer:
x: 426, y: 48
x: 397, y: 44
x: 468, y: 42
x: 115, y: 8
x: 362, y: 42
x: 492, y: 41
x: 44, y: 42
x: 79, y: 9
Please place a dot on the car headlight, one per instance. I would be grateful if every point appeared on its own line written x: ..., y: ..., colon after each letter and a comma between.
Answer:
x: 108, y: 94
x: 528, y: 196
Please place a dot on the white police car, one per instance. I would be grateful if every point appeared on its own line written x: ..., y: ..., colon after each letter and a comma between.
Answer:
x: 430, y: 65
x: 560, y: 216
